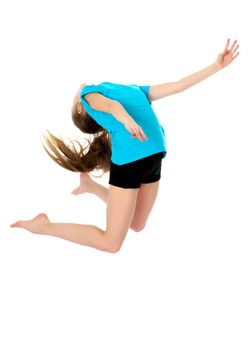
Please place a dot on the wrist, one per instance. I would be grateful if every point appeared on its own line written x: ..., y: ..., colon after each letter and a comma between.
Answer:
x: 216, y: 66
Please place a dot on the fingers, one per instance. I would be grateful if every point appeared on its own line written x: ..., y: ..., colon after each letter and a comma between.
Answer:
x: 235, y: 41
x: 227, y: 45
x: 233, y: 51
x: 232, y: 47
x: 141, y: 136
x: 135, y: 130
x: 236, y: 55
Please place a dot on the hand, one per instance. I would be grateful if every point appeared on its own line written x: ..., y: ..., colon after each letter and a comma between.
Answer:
x: 226, y: 57
x: 135, y: 129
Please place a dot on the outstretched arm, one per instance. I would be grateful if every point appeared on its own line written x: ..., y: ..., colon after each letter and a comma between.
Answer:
x: 224, y: 58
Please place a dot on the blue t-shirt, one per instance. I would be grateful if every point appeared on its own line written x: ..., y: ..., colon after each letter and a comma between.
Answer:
x: 135, y: 100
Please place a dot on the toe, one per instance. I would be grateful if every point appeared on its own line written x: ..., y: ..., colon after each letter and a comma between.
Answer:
x: 16, y: 224
x: 76, y: 191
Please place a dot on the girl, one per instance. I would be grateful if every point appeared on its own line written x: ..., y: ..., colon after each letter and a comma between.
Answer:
x: 128, y: 141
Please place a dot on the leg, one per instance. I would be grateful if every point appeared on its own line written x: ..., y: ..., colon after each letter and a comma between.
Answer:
x: 120, y: 209
x: 145, y: 201
x: 146, y: 198
x: 88, y: 185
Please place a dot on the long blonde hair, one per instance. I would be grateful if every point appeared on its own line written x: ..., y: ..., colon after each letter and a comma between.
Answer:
x: 74, y: 156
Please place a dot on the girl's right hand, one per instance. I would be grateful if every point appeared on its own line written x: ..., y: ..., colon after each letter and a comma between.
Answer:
x: 135, y: 129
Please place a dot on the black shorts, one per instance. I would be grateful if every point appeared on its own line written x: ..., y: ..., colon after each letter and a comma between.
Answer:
x: 133, y: 174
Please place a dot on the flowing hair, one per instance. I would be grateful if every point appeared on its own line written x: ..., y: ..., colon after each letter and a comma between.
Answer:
x: 74, y: 156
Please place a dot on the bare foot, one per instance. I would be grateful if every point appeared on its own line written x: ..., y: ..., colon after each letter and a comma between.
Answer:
x: 34, y: 225
x: 86, y: 184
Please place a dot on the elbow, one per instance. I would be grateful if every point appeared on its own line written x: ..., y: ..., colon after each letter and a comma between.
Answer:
x: 179, y: 86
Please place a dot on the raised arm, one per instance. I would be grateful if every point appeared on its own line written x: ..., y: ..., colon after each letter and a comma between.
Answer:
x: 223, y: 60
x: 162, y: 90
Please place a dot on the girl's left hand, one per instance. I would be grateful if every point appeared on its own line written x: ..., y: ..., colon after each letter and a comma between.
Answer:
x: 226, y: 57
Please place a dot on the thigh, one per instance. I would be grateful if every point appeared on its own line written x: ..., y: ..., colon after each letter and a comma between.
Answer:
x: 145, y: 201
x: 120, y: 210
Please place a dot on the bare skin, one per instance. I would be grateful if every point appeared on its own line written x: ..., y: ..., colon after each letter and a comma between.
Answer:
x: 133, y: 212
x: 88, y: 185
x: 109, y: 239
x: 135, y: 205
x: 34, y: 225
x: 89, y: 235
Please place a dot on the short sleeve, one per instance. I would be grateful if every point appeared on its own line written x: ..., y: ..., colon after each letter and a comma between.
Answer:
x: 85, y: 90
x: 145, y: 90
x: 102, y: 118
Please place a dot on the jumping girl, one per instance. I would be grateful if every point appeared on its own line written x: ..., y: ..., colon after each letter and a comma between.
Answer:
x: 129, y: 142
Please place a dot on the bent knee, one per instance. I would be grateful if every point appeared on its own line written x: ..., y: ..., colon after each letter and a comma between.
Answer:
x: 112, y: 247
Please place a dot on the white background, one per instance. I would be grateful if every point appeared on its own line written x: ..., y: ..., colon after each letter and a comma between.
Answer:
x: 183, y: 282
